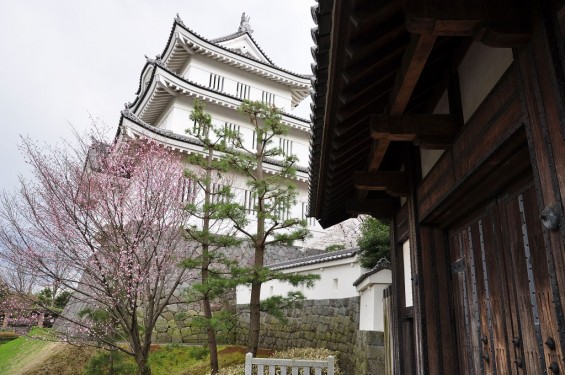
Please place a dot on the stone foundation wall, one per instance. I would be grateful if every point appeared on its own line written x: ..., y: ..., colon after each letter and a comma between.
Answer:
x: 177, y: 323
x: 331, y: 324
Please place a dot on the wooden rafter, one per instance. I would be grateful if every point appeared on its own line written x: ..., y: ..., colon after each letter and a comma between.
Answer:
x: 435, y: 131
x: 379, y: 150
x: 413, y: 62
x: 393, y: 183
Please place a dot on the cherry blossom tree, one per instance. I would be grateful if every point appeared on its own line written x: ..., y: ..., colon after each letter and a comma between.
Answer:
x: 16, y: 279
x: 111, y: 217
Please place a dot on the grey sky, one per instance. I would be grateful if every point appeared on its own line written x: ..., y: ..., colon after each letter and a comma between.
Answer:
x: 65, y: 59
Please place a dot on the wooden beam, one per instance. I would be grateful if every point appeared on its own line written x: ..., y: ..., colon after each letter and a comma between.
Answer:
x: 378, y: 208
x: 500, y: 23
x: 394, y: 183
x: 378, y: 154
x: 425, y: 130
x: 413, y: 62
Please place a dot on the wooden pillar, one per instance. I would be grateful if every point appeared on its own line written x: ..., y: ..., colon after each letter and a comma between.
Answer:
x: 441, y: 348
x: 542, y: 72
x: 413, y: 167
x: 399, y: 234
x: 410, y: 330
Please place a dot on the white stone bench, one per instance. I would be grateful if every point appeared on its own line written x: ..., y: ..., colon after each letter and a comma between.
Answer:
x: 287, y: 366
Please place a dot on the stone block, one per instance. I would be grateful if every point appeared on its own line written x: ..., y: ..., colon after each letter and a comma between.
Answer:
x: 163, y: 338
x: 161, y: 325
x: 168, y: 315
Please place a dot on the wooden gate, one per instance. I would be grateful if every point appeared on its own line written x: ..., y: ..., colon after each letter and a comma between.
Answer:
x: 502, y: 293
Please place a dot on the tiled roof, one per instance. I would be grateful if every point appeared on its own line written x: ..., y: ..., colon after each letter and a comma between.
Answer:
x: 307, y: 76
x: 184, y: 138
x: 382, y: 264
x: 314, y: 259
x: 237, y: 35
x: 136, y: 102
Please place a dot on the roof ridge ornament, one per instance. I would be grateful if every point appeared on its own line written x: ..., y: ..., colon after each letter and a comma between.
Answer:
x: 179, y: 20
x: 126, y: 111
x: 156, y: 61
x: 244, y: 25
x: 382, y: 263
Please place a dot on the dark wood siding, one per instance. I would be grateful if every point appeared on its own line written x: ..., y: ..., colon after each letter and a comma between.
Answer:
x: 502, y: 297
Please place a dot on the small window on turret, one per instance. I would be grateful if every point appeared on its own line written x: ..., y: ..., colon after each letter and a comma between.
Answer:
x: 243, y: 90
x: 268, y: 98
x: 216, y: 82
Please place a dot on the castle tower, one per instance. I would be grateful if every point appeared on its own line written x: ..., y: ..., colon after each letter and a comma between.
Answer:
x: 220, y: 72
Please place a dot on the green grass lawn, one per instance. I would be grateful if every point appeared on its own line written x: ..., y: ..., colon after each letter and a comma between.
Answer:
x: 14, y: 354
x: 169, y: 360
x: 34, y: 357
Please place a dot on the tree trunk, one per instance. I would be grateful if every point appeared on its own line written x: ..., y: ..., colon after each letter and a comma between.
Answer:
x: 212, y: 345
x: 254, y: 318
x: 142, y: 365
x: 141, y: 347
x: 255, y: 302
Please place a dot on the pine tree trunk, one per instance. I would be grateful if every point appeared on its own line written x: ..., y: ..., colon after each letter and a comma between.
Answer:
x: 255, y: 302
x: 254, y: 318
x: 212, y: 344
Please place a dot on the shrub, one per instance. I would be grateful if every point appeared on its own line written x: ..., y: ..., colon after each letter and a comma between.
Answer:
x: 110, y: 363
x: 335, y: 247
x: 198, y: 352
x: 374, y: 242
x: 8, y: 335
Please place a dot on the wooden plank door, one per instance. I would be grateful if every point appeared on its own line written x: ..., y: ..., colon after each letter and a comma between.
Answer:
x: 531, y: 277
x: 502, y: 292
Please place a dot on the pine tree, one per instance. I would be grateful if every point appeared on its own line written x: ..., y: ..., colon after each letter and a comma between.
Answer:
x: 213, y: 198
x: 271, y: 223
x: 374, y: 242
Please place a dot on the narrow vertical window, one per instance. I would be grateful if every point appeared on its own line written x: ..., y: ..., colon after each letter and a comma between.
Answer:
x: 216, y: 82
x: 286, y: 146
x: 242, y: 90
x: 250, y: 200
x: 336, y: 284
x: 268, y: 98
x: 231, y: 128
x: 408, y: 297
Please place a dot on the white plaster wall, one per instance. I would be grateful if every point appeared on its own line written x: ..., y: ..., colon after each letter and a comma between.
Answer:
x: 428, y: 158
x: 371, y: 314
x: 479, y: 71
x: 336, y: 281
x: 176, y: 118
x: 200, y: 67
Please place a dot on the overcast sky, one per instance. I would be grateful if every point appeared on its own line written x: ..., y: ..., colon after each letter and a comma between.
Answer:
x: 64, y: 60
